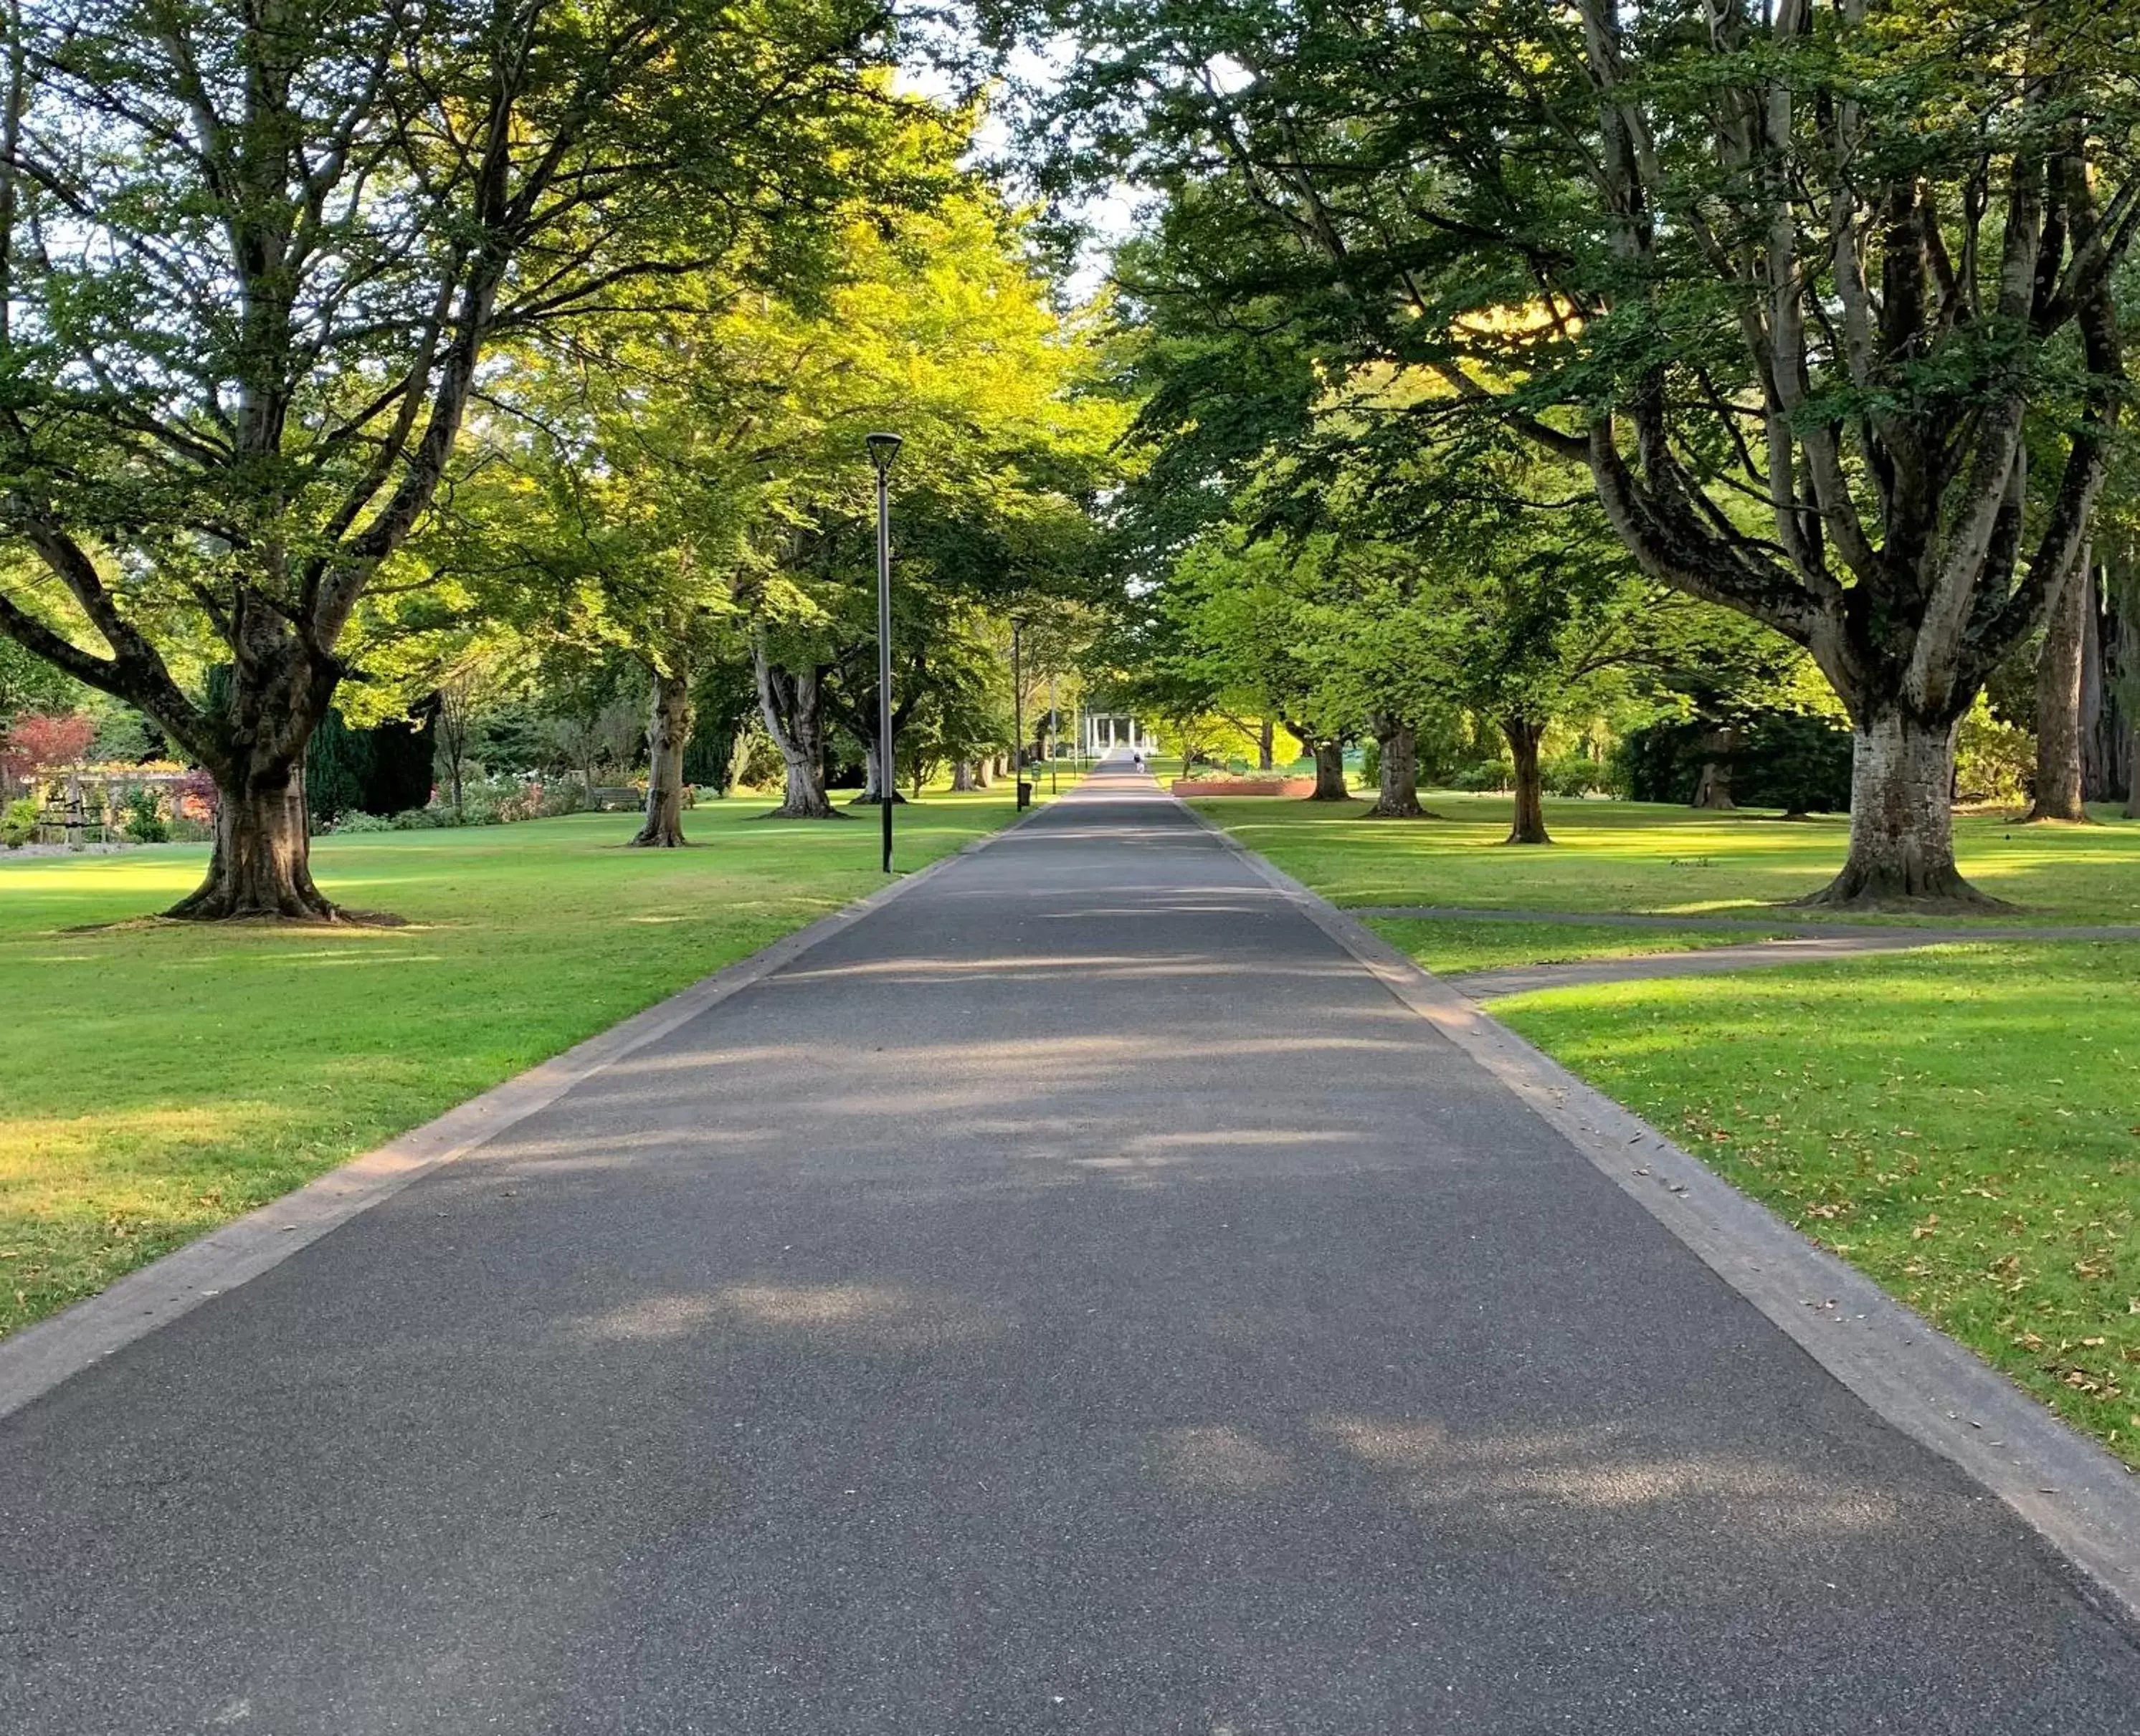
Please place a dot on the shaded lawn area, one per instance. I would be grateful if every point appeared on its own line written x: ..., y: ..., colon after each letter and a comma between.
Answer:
x: 1645, y: 857
x: 1961, y: 1124
x: 160, y: 1078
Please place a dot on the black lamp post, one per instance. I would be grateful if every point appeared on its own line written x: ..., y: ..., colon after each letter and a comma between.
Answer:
x: 1018, y: 717
x: 883, y: 448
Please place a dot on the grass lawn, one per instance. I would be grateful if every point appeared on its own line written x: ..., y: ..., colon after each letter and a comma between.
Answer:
x: 1455, y: 946
x: 1626, y: 855
x: 162, y: 1078
x: 1960, y: 1123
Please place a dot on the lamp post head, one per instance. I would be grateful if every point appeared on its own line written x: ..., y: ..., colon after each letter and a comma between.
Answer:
x: 883, y: 448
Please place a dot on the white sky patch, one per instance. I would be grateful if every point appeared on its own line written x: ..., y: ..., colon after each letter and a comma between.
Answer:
x: 1109, y: 218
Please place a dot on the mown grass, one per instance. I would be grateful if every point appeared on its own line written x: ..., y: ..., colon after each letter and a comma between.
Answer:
x: 1452, y: 946
x: 1960, y: 1123
x: 159, y: 1079
x: 1638, y: 856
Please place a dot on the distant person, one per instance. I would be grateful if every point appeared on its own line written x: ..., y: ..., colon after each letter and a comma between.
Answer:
x: 1136, y: 757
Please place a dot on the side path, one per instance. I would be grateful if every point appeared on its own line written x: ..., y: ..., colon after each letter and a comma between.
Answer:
x: 1504, y: 980
x: 1076, y: 1296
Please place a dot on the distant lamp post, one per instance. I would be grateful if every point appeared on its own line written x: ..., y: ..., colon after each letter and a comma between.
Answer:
x: 883, y: 448
x: 1018, y: 717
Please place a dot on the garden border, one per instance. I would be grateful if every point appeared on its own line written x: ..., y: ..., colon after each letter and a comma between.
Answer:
x: 47, y: 1352
x: 2075, y: 1495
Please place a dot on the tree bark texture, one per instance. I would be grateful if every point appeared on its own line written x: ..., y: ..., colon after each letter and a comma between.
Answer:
x: 668, y: 733
x: 1712, y: 790
x: 2058, y: 790
x: 1266, y: 745
x: 873, y: 777
x: 792, y: 705
x: 1901, y: 821
x: 1330, y: 771
x: 262, y: 864
x: 1397, y: 794
x: 1528, y: 825
x: 2104, y: 662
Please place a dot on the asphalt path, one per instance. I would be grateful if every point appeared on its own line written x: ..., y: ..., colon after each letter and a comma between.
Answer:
x: 1077, y: 1298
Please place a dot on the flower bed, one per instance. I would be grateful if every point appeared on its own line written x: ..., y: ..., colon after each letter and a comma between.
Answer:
x: 1243, y: 787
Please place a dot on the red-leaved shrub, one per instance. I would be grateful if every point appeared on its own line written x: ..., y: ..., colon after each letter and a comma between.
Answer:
x: 41, y: 740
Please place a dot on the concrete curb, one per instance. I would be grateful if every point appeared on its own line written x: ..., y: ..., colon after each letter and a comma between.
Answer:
x: 2080, y: 1500
x: 39, y: 1357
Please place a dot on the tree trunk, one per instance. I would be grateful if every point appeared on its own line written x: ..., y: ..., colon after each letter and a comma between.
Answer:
x: 2057, y: 794
x: 2133, y: 789
x: 738, y: 761
x: 1398, y: 797
x: 262, y: 864
x: 1901, y: 821
x: 1330, y: 771
x: 962, y: 775
x: 872, y: 780
x: 1712, y: 790
x: 2101, y: 717
x: 793, y: 709
x: 668, y: 732
x: 1266, y: 745
x: 1529, y: 825
x: 985, y: 775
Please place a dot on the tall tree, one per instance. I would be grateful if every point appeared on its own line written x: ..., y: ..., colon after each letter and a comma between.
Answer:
x: 1801, y: 289
x: 253, y: 259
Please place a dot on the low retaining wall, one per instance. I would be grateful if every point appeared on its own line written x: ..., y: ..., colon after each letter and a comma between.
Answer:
x: 1243, y: 787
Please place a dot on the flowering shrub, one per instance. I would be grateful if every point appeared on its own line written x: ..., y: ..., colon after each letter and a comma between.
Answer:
x: 524, y: 804
x: 197, y: 796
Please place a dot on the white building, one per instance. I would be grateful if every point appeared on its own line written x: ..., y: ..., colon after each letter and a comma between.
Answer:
x: 1106, y: 730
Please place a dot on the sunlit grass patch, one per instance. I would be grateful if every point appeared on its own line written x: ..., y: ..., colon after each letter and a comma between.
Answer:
x: 1645, y: 857
x: 1960, y: 1123
x: 1451, y: 947
x: 157, y: 1079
